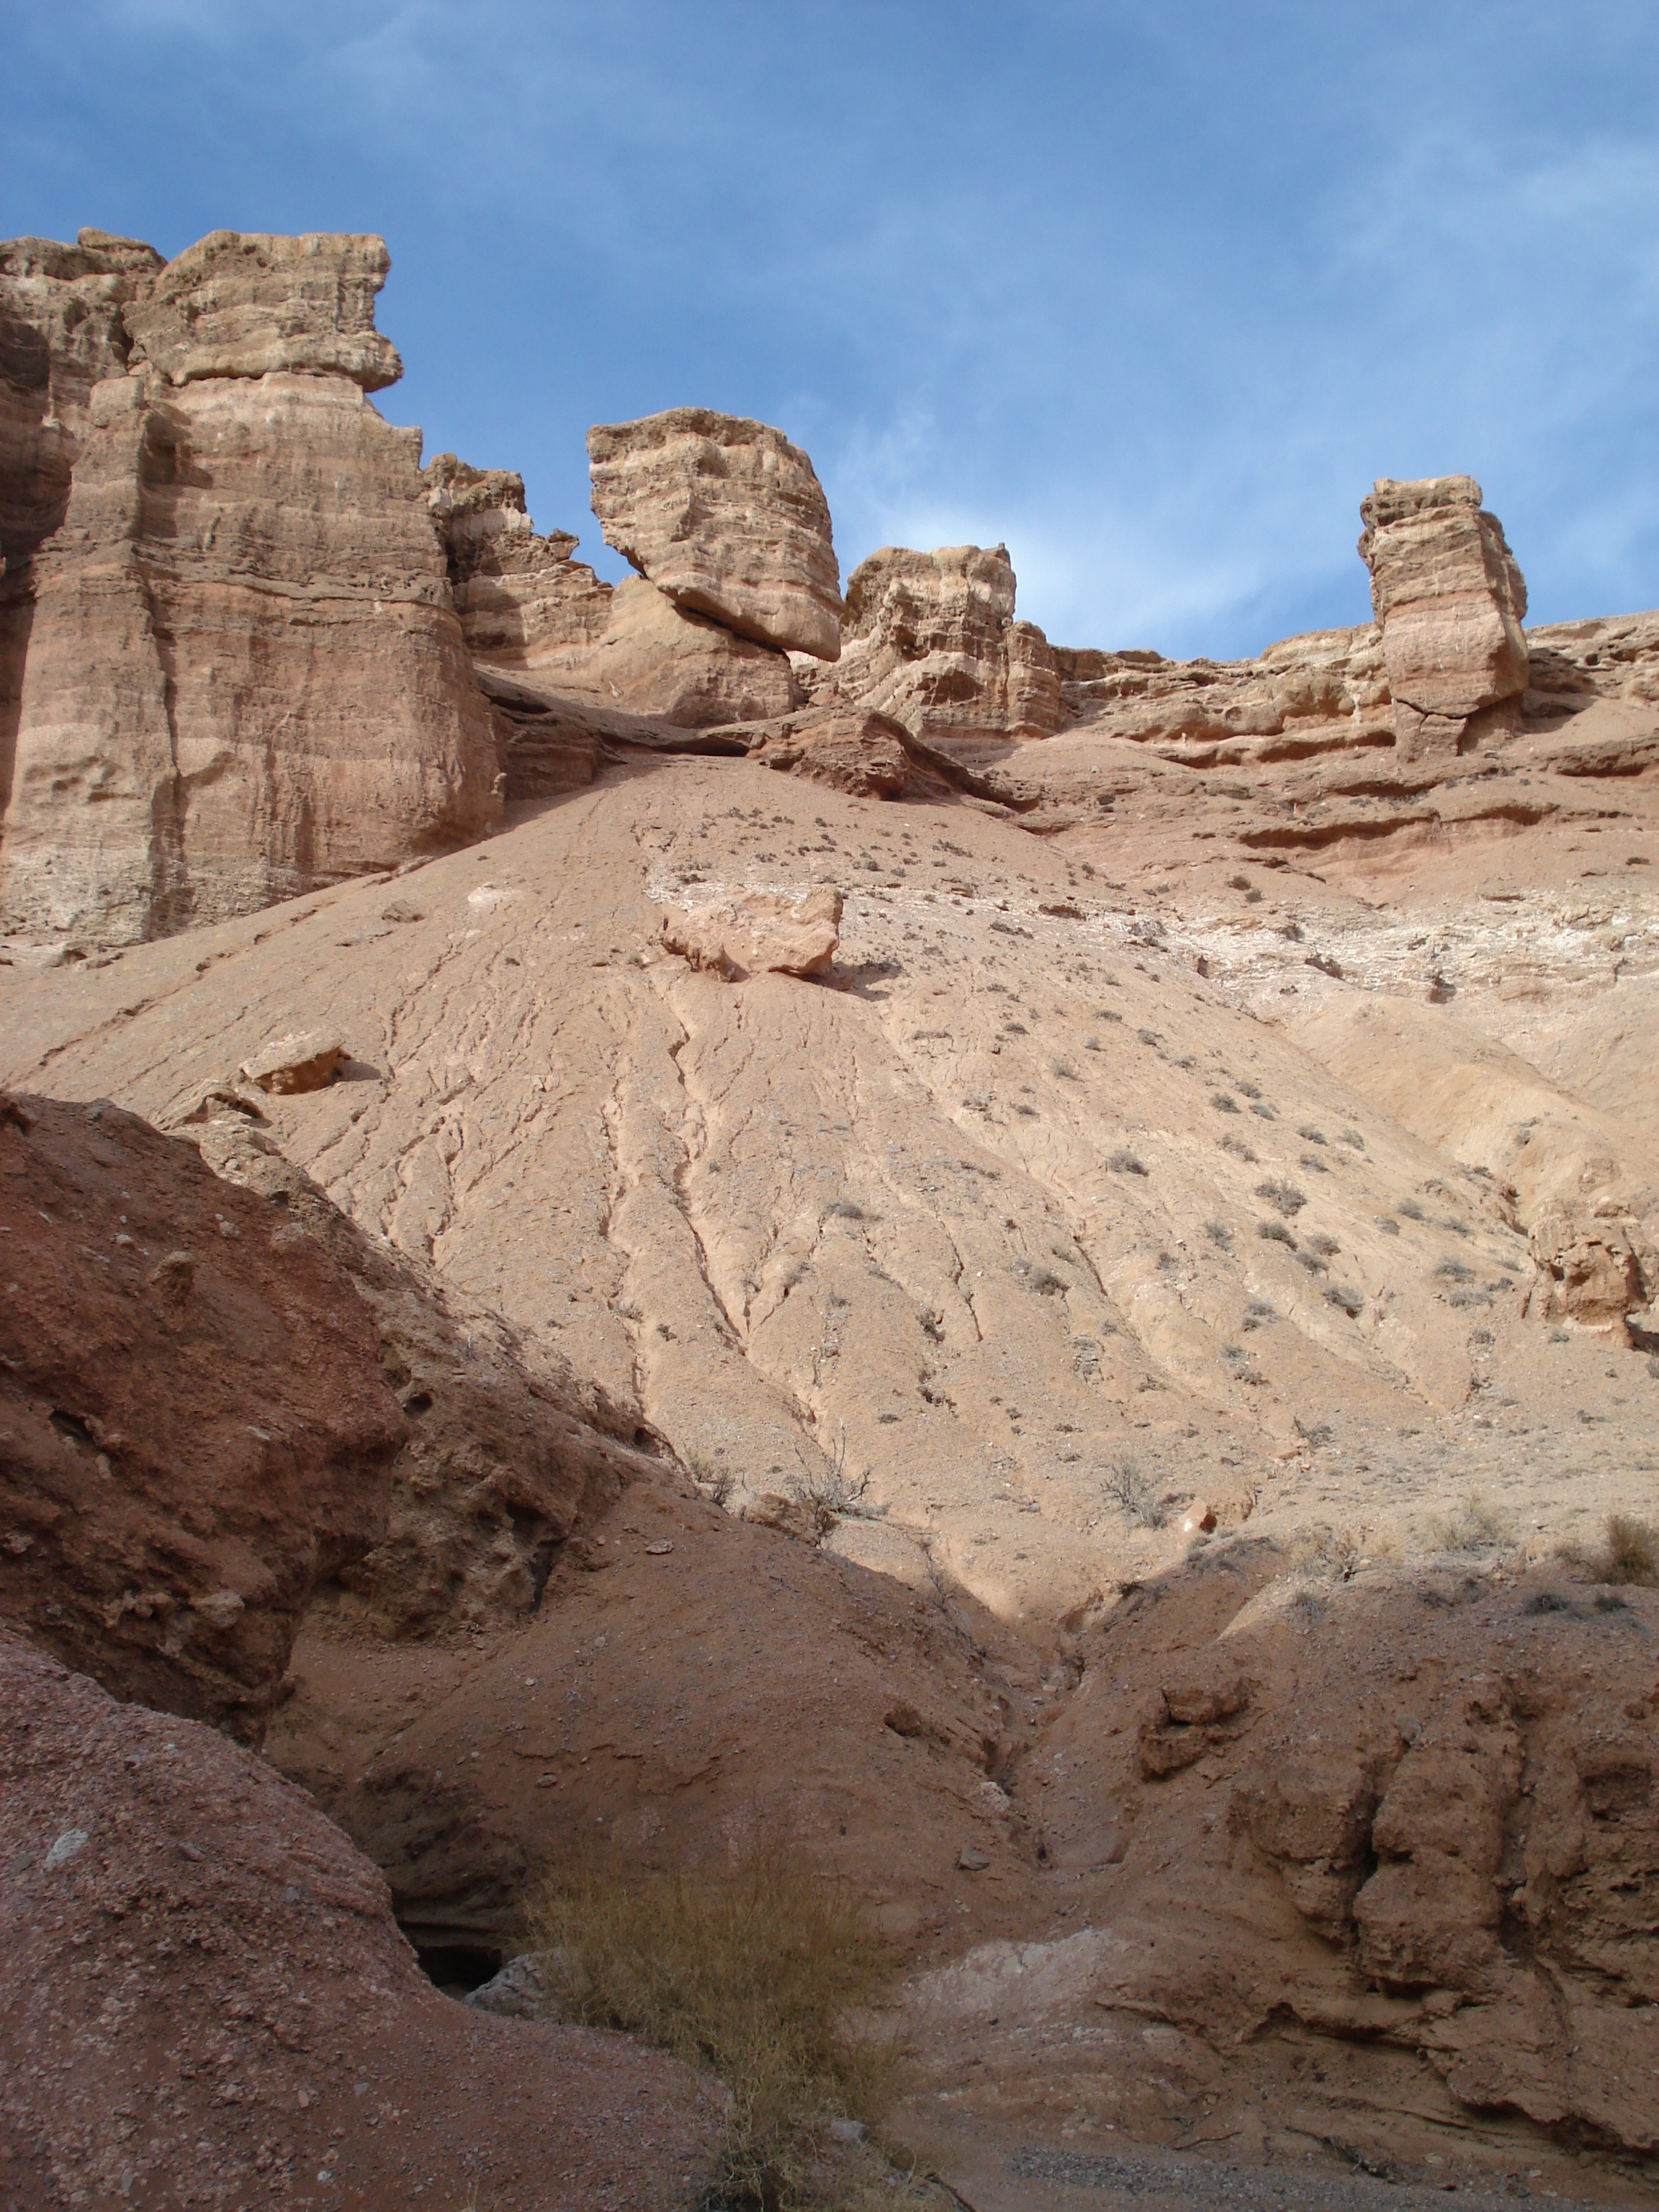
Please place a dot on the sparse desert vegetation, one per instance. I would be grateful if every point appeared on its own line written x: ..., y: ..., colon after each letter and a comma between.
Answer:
x: 756, y: 1971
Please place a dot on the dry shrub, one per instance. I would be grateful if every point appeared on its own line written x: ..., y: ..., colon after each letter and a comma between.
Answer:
x: 1631, y: 1554
x: 1134, y: 1496
x: 1283, y: 1195
x: 1335, y: 1554
x: 749, y: 1973
x: 1472, y: 1527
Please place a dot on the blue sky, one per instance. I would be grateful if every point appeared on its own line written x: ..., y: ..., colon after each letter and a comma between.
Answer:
x: 1151, y: 291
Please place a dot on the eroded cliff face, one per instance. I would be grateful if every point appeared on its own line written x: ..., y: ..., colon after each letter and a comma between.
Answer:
x: 243, y: 675
x: 930, y: 640
x: 62, y: 328
x: 530, y: 612
x: 1147, y: 1250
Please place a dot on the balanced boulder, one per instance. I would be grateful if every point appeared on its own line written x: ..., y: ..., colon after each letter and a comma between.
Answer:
x: 726, y: 519
x: 531, y: 612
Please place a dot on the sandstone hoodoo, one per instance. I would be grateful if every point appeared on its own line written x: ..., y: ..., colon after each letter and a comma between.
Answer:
x: 243, y: 673
x: 726, y: 519
x: 1449, y: 601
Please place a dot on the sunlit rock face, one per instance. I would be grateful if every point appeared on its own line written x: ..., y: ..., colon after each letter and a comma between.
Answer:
x: 1449, y: 600
x: 242, y: 674
x: 931, y: 639
x: 726, y: 519
x: 530, y: 611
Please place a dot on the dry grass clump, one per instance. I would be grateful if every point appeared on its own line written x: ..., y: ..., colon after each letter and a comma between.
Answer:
x: 749, y: 1973
x: 711, y: 1477
x: 1629, y: 1553
x: 1474, y: 1526
x: 1333, y: 1554
x: 1125, y: 1162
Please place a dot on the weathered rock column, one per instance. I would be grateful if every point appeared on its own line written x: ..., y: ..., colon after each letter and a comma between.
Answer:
x: 1449, y: 601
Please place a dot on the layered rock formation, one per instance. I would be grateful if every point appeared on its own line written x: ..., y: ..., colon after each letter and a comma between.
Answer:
x: 243, y: 674
x: 726, y: 519
x: 258, y: 306
x: 1317, y: 692
x: 1449, y: 600
x: 930, y: 640
x: 62, y: 329
x: 530, y: 612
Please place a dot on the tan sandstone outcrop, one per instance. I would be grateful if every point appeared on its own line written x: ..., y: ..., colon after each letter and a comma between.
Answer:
x: 727, y: 519
x: 1597, y: 1263
x: 62, y: 329
x: 930, y: 640
x: 1321, y: 692
x: 245, y: 676
x: 238, y: 304
x: 1450, y: 600
x: 529, y: 612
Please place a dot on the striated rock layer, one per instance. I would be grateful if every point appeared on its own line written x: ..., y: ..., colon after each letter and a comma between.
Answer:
x: 727, y: 519
x: 252, y: 305
x: 931, y: 641
x: 244, y: 674
x: 62, y: 329
x: 1449, y: 600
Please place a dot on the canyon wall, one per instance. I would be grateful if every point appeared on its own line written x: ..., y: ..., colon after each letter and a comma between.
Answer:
x: 242, y: 674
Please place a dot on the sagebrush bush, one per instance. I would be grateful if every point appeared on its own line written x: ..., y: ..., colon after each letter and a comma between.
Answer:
x: 1631, y: 1554
x: 750, y: 1973
x: 1283, y: 1195
x: 1472, y: 1527
x: 1134, y: 1496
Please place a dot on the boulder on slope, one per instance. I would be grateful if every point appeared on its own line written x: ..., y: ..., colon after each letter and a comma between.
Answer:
x: 726, y: 519
x: 753, y: 932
